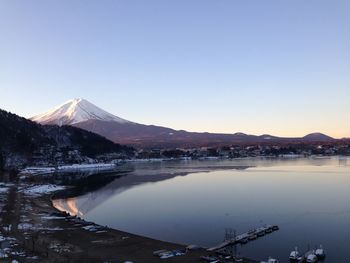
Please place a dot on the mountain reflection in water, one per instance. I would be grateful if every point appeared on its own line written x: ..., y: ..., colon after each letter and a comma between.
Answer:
x: 193, y: 203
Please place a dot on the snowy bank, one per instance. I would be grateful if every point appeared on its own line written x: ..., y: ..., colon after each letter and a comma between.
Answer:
x: 67, y: 168
x: 37, y: 190
x: 3, y: 190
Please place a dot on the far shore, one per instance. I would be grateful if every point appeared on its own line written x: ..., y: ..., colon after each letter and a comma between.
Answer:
x: 110, y: 166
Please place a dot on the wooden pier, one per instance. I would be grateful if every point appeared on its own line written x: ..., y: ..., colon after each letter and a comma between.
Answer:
x: 245, y: 237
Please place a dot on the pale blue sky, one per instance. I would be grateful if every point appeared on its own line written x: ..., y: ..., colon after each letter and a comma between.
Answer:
x: 279, y: 67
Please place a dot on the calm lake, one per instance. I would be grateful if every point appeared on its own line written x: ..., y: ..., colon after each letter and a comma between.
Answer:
x: 193, y: 202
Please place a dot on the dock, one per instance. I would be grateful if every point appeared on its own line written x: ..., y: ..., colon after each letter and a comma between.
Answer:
x: 246, y: 237
x: 221, y: 245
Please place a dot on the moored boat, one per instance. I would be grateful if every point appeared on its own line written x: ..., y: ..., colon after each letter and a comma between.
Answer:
x: 261, y: 233
x: 311, y: 258
x: 271, y: 260
x: 243, y: 240
x: 268, y: 230
x: 320, y: 253
x: 252, y: 237
x: 294, y: 255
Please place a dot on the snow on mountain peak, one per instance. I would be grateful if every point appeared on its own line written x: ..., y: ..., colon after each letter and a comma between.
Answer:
x: 75, y: 111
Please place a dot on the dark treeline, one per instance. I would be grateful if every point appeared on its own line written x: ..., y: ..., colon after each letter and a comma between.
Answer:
x: 340, y: 147
x: 23, y: 140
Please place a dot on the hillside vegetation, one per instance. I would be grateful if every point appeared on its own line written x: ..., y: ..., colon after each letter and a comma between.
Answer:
x: 25, y: 142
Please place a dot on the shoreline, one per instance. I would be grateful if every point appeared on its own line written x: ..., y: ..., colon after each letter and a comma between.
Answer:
x: 41, y: 233
x: 138, y: 242
x: 112, y: 166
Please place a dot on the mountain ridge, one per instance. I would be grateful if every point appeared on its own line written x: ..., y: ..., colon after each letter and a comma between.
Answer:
x: 94, y: 119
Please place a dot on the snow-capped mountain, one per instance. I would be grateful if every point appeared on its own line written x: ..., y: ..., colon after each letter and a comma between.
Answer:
x: 75, y: 111
x: 85, y: 115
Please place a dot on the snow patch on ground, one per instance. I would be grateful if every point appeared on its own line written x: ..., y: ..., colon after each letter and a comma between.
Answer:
x: 24, y: 226
x: 87, y: 166
x: 5, y: 187
x: 67, y: 168
x: 53, y: 217
x: 3, y: 190
x: 41, y: 189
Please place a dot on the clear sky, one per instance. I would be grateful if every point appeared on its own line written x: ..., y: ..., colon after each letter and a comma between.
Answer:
x: 256, y: 66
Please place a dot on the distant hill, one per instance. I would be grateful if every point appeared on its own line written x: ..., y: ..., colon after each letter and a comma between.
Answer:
x: 320, y: 137
x: 25, y: 141
x: 83, y: 114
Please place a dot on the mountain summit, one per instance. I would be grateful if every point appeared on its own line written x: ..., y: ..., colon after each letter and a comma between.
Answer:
x: 75, y: 111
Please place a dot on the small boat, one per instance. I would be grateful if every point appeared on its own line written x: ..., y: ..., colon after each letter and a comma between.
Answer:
x: 261, y: 233
x: 243, y: 240
x: 166, y: 255
x: 251, y: 231
x: 268, y: 230
x: 320, y: 253
x: 275, y: 228
x: 311, y: 258
x: 253, y: 237
x: 271, y: 260
x: 209, y: 258
x: 159, y: 252
x: 294, y: 255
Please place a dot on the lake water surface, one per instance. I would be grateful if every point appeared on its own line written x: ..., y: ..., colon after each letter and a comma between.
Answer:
x: 194, y: 202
